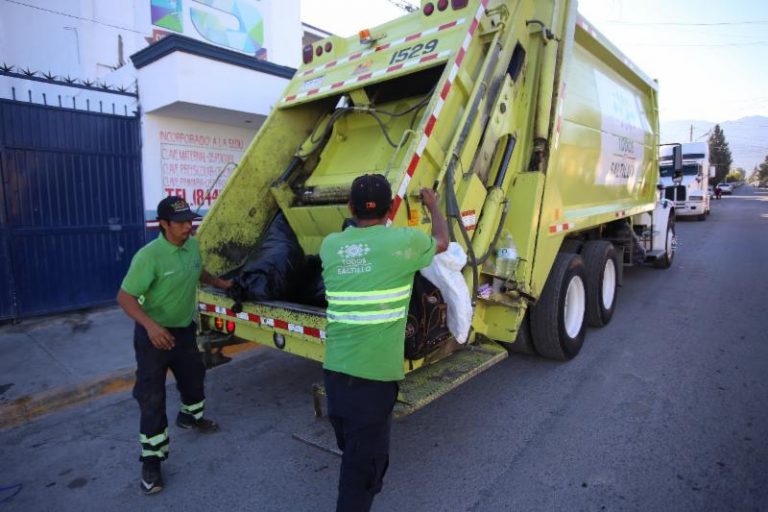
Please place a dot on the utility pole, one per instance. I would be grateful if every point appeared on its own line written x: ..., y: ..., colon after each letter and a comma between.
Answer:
x: 691, y: 136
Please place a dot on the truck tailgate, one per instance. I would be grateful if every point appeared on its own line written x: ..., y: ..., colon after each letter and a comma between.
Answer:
x: 294, y: 328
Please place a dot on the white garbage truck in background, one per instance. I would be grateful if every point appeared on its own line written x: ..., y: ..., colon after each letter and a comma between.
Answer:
x: 689, y: 189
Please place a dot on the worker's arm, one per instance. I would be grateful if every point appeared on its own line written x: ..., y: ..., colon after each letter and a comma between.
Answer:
x: 207, y: 278
x: 439, y: 224
x: 158, y: 335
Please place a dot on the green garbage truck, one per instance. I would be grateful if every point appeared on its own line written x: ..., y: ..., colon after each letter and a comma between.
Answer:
x: 539, y: 135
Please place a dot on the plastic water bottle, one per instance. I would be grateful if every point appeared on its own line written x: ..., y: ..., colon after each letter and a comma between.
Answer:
x: 506, y: 257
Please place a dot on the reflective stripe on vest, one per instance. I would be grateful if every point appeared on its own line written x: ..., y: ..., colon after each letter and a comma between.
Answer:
x: 371, y: 297
x: 367, y: 317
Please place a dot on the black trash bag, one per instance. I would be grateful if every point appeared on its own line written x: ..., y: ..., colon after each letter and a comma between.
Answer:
x: 273, y: 271
x: 427, y: 325
x: 312, y: 289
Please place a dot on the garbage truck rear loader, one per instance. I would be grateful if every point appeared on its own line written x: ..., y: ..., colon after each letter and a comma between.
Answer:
x: 539, y: 135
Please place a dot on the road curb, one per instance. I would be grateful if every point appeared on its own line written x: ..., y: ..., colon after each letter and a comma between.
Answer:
x: 29, y: 407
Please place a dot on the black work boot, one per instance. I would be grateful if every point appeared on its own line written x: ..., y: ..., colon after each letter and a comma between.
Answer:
x: 151, y: 478
x: 202, y: 425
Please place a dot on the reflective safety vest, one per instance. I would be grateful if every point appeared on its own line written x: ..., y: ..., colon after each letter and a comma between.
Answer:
x: 370, y: 307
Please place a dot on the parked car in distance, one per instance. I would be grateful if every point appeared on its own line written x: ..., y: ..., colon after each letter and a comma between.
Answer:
x: 725, y: 188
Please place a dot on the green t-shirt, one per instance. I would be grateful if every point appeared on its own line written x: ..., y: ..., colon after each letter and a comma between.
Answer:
x: 368, y: 274
x: 164, y: 277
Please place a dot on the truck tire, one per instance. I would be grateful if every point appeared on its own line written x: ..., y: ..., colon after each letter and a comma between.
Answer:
x: 558, y: 319
x: 670, y: 245
x: 523, y: 343
x: 602, y: 267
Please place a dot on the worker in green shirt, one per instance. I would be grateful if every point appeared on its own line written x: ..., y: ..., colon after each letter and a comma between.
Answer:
x: 368, y: 270
x: 158, y: 292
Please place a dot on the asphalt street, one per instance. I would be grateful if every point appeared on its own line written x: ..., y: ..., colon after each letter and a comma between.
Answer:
x: 665, y: 409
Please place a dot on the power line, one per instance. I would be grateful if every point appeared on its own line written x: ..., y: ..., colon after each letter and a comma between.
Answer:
x: 59, y: 13
x: 667, y: 45
x: 682, y: 24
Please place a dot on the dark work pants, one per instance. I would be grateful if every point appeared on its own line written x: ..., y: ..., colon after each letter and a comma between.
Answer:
x: 360, y: 411
x: 152, y: 364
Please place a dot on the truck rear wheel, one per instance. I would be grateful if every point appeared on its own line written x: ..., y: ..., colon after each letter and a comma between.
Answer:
x: 601, y: 262
x: 558, y: 318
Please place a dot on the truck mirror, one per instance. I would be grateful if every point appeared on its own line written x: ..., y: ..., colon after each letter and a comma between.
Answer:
x: 712, y: 171
x: 677, y: 162
x: 677, y: 158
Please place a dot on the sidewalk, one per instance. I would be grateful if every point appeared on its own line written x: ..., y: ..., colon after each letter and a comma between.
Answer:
x: 50, y: 363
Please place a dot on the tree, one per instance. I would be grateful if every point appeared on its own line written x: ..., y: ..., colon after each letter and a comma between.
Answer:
x: 737, y: 174
x: 762, y: 173
x: 719, y: 154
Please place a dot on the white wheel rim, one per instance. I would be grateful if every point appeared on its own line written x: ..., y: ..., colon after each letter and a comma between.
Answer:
x: 609, y: 283
x: 575, y: 305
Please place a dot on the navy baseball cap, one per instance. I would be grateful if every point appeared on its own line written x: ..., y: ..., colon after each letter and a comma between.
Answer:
x: 175, y: 209
x: 370, y: 196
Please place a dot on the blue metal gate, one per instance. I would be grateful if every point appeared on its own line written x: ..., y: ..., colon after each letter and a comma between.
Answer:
x: 72, y: 213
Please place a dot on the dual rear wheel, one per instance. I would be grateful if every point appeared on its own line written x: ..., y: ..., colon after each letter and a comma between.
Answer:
x: 580, y: 291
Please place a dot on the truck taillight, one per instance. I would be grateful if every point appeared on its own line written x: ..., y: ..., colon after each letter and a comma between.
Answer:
x: 458, y: 4
x: 230, y: 327
x: 442, y: 5
x: 328, y: 46
x: 219, y: 324
x: 306, y: 54
x: 319, y: 51
x: 429, y: 9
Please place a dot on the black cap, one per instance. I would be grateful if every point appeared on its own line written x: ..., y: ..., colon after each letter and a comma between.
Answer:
x: 176, y: 209
x: 371, y: 196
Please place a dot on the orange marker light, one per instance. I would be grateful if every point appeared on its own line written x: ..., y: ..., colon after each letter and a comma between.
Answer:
x: 365, y: 36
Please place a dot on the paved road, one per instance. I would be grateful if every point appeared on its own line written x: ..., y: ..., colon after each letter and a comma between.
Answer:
x: 665, y: 409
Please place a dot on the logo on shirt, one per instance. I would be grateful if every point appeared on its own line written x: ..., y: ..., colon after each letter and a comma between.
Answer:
x: 353, y: 259
x: 353, y: 250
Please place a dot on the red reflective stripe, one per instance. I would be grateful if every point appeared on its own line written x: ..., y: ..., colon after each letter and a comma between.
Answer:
x: 460, y: 56
x: 412, y: 166
x: 337, y: 85
x: 412, y: 37
x: 394, y: 68
x: 444, y: 92
x: 281, y: 324
x: 355, y: 56
x: 331, y: 64
x: 364, y: 77
x: 290, y: 98
x: 313, y: 91
x: 382, y: 47
x: 447, y: 25
x: 473, y: 26
x: 311, y: 331
x: 428, y: 58
x: 395, y: 205
x: 430, y: 125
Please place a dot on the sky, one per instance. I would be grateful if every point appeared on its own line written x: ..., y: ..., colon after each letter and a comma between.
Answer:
x: 708, y: 55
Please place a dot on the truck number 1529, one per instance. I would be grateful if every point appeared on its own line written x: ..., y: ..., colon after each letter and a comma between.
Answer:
x: 413, y: 52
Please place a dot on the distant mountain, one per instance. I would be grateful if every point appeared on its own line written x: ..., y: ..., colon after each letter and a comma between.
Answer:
x: 747, y: 137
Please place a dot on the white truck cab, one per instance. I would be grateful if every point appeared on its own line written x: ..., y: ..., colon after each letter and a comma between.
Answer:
x: 687, y: 190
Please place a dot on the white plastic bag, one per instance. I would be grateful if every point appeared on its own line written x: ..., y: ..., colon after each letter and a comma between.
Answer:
x: 445, y: 273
